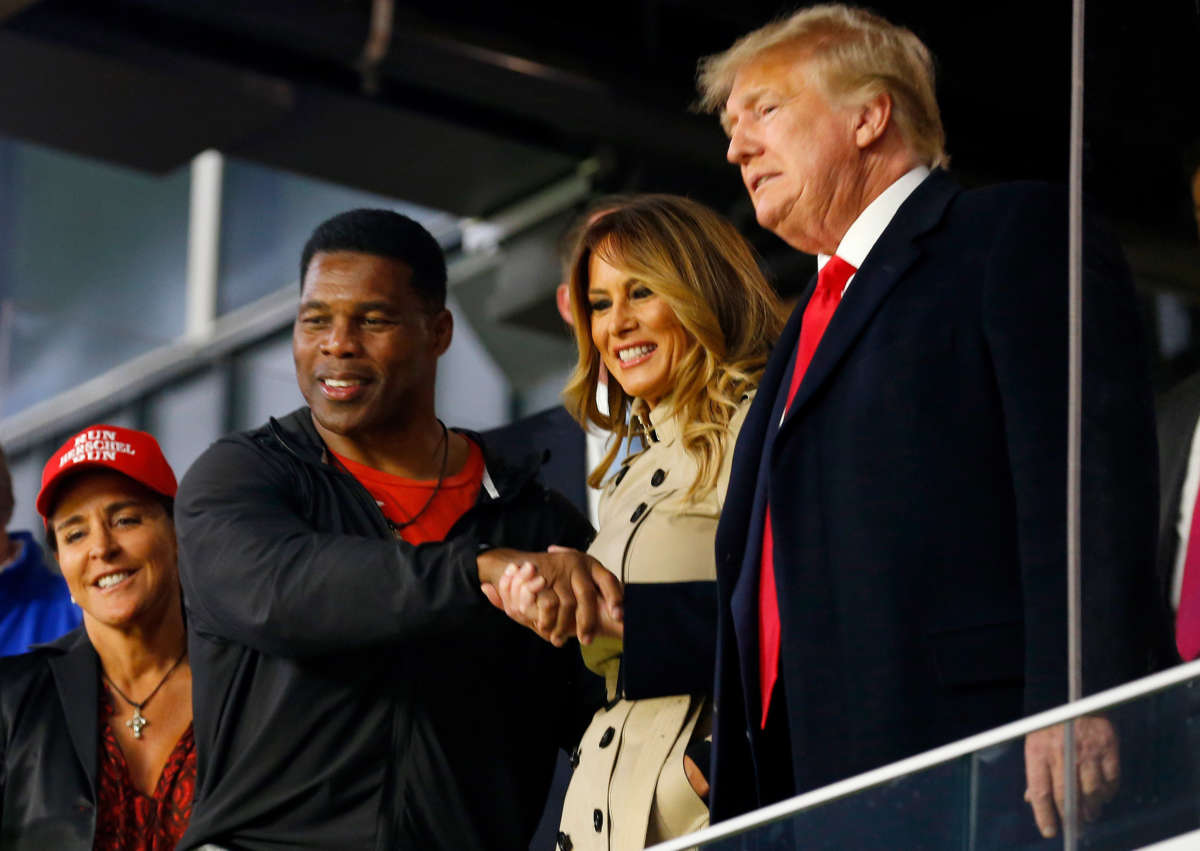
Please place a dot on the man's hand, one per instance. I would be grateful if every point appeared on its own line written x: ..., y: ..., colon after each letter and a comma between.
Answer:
x: 572, y: 592
x: 517, y: 594
x: 1098, y: 762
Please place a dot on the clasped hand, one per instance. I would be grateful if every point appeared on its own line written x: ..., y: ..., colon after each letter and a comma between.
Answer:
x: 556, y: 593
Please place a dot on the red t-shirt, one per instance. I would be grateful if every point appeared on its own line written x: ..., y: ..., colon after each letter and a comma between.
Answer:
x: 400, y: 499
x: 127, y: 820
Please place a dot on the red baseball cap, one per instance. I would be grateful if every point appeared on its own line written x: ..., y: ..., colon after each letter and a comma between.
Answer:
x: 124, y: 450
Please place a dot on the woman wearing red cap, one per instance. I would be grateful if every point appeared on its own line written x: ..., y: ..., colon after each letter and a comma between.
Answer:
x: 96, y: 745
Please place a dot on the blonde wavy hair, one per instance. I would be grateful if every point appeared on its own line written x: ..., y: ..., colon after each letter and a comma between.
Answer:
x: 854, y: 55
x: 707, y: 273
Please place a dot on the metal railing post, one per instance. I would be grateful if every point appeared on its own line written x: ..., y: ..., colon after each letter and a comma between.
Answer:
x: 1074, y: 421
x: 204, y: 244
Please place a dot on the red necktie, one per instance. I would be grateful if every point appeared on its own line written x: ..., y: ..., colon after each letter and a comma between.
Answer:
x: 831, y: 280
x: 1187, y: 621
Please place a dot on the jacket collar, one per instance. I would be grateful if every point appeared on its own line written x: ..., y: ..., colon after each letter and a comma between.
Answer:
x: 298, y: 436
x: 658, y: 425
x: 76, y: 671
x: 894, y: 252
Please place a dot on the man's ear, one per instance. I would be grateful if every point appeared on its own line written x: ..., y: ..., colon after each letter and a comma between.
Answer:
x: 442, y: 327
x: 872, y: 120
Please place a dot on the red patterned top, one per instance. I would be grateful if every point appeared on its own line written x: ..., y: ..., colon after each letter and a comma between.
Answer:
x: 127, y: 820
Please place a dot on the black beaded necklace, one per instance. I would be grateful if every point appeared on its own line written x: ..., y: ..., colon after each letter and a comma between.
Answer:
x: 397, y: 528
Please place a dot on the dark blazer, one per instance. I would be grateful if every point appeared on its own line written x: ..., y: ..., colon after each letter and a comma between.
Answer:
x: 559, y: 439
x: 1178, y: 410
x: 918, y: 488
x: 49, y: 739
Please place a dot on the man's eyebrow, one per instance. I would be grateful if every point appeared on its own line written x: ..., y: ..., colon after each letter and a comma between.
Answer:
x: 746, y: 101
x: 752, y: 97
x: 381, y: 306
x: 359, y: 308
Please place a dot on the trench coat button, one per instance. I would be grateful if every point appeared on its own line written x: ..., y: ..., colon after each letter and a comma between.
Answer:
x: 573, y: 759
x: 658, y: 477
x: 597, y: 820
x: 637, y: 513
x: 620, y: 475
x: 564, y: 842
x: 607, y: 738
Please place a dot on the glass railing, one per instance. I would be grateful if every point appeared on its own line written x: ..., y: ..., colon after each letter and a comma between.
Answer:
x: 970, y: 795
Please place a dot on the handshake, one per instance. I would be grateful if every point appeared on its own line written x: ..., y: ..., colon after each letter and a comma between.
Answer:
x: 557, y: 594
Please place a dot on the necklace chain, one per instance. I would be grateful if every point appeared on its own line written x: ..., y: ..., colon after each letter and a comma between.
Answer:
x: 400, y: 527
x: 138, y: 722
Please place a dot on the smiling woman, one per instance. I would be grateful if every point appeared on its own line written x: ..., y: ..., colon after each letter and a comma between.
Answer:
x: 669, y: 300
x: 638, y: 336
x: 113, y: 700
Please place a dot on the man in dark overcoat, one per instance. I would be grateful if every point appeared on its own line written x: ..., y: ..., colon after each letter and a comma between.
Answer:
x: 892, y: 553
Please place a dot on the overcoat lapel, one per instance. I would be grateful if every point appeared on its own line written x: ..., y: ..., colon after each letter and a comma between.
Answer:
x: 738, y: 552
x: 1176, y: 425
x: 76, y: 676
x: 893, y: 254
x: 748, y: 453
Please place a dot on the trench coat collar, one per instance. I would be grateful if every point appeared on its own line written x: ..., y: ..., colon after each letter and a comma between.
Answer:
x: 657, y: 426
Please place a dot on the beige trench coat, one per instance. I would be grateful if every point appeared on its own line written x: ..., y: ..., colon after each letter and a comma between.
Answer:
x: 629, y: 789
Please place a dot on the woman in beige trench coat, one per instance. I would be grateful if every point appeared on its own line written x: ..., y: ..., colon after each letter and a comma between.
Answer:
x: 669, y: 300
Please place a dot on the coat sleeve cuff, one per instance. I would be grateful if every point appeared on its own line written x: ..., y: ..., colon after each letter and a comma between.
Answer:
x: 670, y: 638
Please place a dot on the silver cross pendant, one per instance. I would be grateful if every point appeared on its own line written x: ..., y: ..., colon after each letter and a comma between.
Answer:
x: 137, y: 723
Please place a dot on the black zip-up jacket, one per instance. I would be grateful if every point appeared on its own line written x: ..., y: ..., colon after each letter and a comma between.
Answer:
x: 49, y: 746
x: 353, y: 691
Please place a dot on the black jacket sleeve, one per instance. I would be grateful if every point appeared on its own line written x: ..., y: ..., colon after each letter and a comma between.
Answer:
x: 254, y: 571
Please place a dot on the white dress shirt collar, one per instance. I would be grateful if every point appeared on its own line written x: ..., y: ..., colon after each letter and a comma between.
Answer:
x: 873, y: 221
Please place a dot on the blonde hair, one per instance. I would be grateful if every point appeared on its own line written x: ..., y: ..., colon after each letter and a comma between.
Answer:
x: 707, y: 274
x: 854, y: 55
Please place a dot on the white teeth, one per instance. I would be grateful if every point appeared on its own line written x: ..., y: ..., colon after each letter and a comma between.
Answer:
x: 634, y: 352
x: 337, y: 382
x: 112, y: 579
